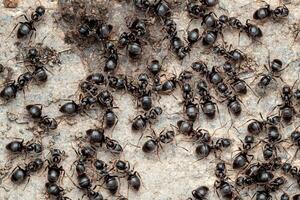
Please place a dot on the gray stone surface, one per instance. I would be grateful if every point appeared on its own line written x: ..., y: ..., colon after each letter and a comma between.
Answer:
x: 176, y: 172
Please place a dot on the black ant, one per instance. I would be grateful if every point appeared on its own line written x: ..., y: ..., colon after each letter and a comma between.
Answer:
x: 95, y: 78
x: 195, y: 11
x: 256, y: 126
x: 238, y: 85
x: 111, y: 181
x: 204, y: 148
x: 54, y: 173
x: 142, y: 4
x: 273, y: 138
x: 140, y: 122
x: 209, y: 3
x: 45, y: 122
x: 222, y: 185
x: 111, y: 57
x: 191, y: 109
x: 113, y: 146
x: 208, y: 106
x: 19, y: 174
x: 84, y: 181
x: 166, y: 87
x: 295, y: 137
x: 161, y: 9
x: 286, y: 109
x: 178, y: 47
x: 235, y: 55
x: 275, y: 67
x: 138, y: 27
x: 133, y: 177
x: 288, y: 168
x: 11, y: 88
x: 71, y: 108
x: 56, y: 191
x: 252, y: 30
x: 29, y: 147
x: 155, y: 142
x: 118, y: 82
x: 266, y: 12
x: 25, y: 28
x: 200, y: 193
x: 170, y: 27
x: 242, y: 158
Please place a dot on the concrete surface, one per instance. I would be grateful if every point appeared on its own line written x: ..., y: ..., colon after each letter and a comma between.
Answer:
x: 176, y: 173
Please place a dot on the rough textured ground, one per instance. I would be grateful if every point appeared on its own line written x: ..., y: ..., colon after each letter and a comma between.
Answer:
x: 175, y: 174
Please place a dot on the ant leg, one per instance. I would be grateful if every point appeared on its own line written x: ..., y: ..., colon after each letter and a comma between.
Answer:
x: 13, y: 30
x: 295, y: 155
x: 27, y: 182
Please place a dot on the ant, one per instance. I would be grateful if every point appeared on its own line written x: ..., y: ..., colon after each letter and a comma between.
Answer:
x: 263, y: 194
x: 275, y: 184
x: 252, y: 30
x: 35, y: 111
x: 233, y: 103
x: 185, y: 127
x: 209, y: 3
x: 112, y: 57
x: 178, y: 47
x: 96, y: 136
x: 207, y: 105
x: 155, y: 68
x: 295, y: 137
x: 143, y: 94
x: 56, y: 191
x: 170, y: 27
x: 142, y: 4
x: 84, y: 181
x: 195, y: 11
x: 138, y: 27
x: 111, y: 181
x: 27, y: 27
x: 11, y: 89
x: 140, y: 121
x: 275, y: 67
x: 133, y: 177
x: 203, y: 149
x: 235, y: 55
x: 19, y: 174
x: 155, y: 142
x: 242, y: 158
x: 167, y: 86
x: 96, y: 78
x: 113, y: 146
x: 266, y: 12
x: 161, y: 9
x: 103, y: 31
x: 209, y: 37
x: 288, y: 168
x: 29, y: 147
x: 117, y: 82
x: 200, y: 193
x: 193, y: 36
x: 256, y: 127
x: 71, y: 108
x: 191, y: 109
x: 238, y: 85
x: 222, y: 185
x: 105, y: 99
x: 273, y: 138
x: 54, y: 171
x: 286, y: 109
